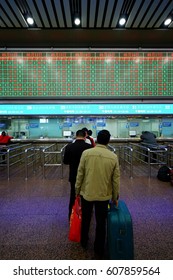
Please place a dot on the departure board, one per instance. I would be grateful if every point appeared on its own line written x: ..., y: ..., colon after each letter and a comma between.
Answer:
x: 86, y: 75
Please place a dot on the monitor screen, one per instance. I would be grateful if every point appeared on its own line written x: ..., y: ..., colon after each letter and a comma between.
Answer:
x: 132, y: 133
x: 67, y: 133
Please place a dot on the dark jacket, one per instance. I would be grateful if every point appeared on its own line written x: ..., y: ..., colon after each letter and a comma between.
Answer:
x: 148, y: 138
x: 72, y: 155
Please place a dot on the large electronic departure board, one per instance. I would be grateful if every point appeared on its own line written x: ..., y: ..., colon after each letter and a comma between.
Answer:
x: 86, y: 75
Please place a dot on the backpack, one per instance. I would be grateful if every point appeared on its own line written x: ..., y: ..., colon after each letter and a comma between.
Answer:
x: 164, y: 174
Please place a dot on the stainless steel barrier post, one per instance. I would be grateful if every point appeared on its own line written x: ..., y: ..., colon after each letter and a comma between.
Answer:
x: 128, y: 158
x: 8, y: 164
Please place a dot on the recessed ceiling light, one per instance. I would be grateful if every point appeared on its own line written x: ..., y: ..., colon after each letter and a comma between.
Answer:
x: 167, y: 21
x: 122, y: 21
x: 30, y: 20
x: 77, y: 21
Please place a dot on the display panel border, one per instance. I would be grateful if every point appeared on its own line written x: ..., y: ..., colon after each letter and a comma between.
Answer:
x: 159, y: 88
x: 86, y: 109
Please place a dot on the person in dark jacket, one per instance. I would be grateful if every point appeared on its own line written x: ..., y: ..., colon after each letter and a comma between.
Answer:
x: 72, y: 155
x: 148, y: 137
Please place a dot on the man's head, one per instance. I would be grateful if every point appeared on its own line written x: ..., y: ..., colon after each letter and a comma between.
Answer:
x: 103, y: 137
x: 80, y: 134
x: 3, y: 133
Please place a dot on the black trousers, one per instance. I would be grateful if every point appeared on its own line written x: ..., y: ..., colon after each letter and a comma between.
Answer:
x: 72, y: 197
x: 101, y: 209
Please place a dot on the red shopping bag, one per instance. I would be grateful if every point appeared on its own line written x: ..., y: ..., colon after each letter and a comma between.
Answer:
x: 75, y: 221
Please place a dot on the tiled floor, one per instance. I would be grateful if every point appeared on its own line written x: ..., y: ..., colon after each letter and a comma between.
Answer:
x: 34, y: 216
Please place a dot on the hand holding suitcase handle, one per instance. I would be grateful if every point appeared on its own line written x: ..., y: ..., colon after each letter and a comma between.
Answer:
x: 115, y: 202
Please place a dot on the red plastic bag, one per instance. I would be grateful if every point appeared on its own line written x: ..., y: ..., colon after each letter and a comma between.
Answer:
x: 75, y: 221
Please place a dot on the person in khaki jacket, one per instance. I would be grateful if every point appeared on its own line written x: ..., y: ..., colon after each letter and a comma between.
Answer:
x: 98, y: 181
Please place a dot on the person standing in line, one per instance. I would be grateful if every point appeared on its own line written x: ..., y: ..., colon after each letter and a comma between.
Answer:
x: 91, y: 138
x: 87, y: 137
x: 72, y: 155
x: 98, y: 181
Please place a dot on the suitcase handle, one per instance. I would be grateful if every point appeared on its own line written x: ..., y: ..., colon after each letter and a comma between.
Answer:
x: 112, y: 206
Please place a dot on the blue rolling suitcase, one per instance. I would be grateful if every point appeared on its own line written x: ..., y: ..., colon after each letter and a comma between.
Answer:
x: 119, y: 232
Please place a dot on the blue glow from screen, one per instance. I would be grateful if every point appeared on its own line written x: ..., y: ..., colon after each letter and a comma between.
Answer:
x: 86, y: 109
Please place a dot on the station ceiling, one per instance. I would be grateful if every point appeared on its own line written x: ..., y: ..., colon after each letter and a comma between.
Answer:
x: 99, y: 28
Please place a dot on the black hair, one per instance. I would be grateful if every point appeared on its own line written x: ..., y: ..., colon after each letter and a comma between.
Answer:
x: 85, y: 130
x: 80, y: 133
x: 3, y: 133
x: 103, y: 137
x: 90, y: 132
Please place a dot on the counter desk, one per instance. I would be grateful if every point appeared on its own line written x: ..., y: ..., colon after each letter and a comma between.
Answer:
x: 63, y: 141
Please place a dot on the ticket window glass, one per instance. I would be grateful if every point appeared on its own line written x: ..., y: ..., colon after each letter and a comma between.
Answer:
x: 122, y: 129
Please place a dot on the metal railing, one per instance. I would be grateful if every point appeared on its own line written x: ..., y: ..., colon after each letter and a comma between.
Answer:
x: 13, y: 155
x: 170, y: 155
x: 112, y: 148
x: 3, y: 152
x: 115, y: 150
x: 126, y: 157
x: 150, y: 155
x: 32, y: 158
x: 51, y: 158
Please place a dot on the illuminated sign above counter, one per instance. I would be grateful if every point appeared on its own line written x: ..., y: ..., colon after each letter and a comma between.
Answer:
x: 85, y: 109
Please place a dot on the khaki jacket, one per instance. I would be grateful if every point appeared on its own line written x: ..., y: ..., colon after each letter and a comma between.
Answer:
x: 98, y: 176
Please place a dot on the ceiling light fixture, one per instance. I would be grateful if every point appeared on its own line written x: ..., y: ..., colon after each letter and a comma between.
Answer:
x: 122, y: 21
x: 167, y: 21
x: 30, y: 20
x: 76, y: 19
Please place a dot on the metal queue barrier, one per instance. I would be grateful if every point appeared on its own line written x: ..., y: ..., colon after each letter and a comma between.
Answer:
x: 126, y: 157
x: 28, y: 155
x: 170, y: 155
x: 115, y: 150
x: 3, y: 153
x: 32, y: 158
x: 13, y: 155
x: 150, y: 155
x: 112, y: 148
x: 51, y: 157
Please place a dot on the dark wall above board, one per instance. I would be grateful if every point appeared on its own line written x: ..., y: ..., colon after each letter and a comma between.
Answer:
x: 53, y: 23
x: 86, y: 38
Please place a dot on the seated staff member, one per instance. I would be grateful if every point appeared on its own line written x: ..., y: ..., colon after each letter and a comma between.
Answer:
x: 148, y: 139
